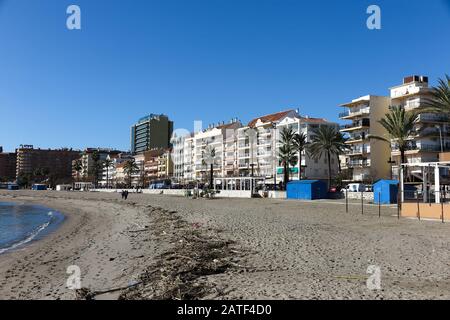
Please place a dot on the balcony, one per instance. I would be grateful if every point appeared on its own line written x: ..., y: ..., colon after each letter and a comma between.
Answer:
x: 244, y: 145
x: 354, y: 138
x: 423, y: 147
x: 429, y: 117
x: 358, y: 151
x: 358, y: 163
x: 363, y: 123
x: 354, y: 113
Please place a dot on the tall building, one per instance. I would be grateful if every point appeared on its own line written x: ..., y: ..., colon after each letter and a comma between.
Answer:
x: 256, y: 145
x: 432, y: 129
x: 58, y: 163
x: 368, y: 159
x: 177, y: 155
x: 214, y: 138
x: 189, y: 156
x: 7, y: 166
x: 150, y: 132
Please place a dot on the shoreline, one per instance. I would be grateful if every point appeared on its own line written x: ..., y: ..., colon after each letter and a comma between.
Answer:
x: 38, y: 270
x: 40, y: 235
x: 116, y: 244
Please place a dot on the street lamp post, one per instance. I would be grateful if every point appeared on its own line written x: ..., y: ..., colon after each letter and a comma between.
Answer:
x: 440, y: 136
x: 391, y: 162
x: 275, y: 157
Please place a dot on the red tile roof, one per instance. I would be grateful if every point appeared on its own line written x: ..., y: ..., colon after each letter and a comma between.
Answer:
x: 314, y: 120
x: 270, y: 117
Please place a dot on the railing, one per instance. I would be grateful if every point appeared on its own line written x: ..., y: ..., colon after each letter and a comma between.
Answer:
x: 354, y: 113
x: 358, y: 163
x: 433, y: 117
x: 421, y: 147
x: 356, y: 137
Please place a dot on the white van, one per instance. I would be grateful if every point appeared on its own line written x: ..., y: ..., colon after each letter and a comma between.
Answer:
x: 356, y: 187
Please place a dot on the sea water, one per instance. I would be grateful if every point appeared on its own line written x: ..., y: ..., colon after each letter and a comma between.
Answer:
x: 21, y: 224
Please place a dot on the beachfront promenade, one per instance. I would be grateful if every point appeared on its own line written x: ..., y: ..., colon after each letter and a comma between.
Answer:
x: 247, y: 248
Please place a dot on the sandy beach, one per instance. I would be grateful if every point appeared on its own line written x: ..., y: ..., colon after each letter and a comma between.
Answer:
x: 166, y: 247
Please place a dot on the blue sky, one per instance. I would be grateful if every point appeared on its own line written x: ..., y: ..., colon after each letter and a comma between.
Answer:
x: 208, y: 60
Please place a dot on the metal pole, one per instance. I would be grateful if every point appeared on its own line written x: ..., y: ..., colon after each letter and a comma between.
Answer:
x: 346, y: 200
x: 398, y: 205
x: 379, y: 204
x: 418, y: 206
x: 362, y: 202
x: 429, y: 187
x: 442, y: 207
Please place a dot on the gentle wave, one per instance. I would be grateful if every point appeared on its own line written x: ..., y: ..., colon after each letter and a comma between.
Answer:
x: 29, y: 238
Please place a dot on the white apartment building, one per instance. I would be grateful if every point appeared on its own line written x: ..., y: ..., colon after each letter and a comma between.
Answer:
x: 213, y: 137
x: 112, y: 173
x: 425, y: 145
x: 189, y: 156
x: 368, y: 159
x: 178, y: 141
x: 246, y: 151
x: 256, y: 145
x: 310, y: 168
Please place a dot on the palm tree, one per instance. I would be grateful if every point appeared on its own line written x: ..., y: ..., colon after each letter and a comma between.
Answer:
x: 78, y: 167
x: 106, y: 164
x: 209, y: 158
x: 95, y: 167
x: 329, y: 141
x: 440, y: 98
x: 400, y: 126
x: 129, y: 168
x: 286, y: 152
x: 299, y: 143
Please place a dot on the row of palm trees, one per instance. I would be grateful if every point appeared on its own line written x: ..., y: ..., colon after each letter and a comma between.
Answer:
x: 326, y: 141
x: 129, y: 168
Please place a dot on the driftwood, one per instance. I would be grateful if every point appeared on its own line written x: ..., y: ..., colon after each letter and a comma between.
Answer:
x: 87, y: 294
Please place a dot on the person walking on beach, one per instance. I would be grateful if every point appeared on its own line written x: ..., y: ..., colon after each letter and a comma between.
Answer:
x: 123, y: 194
x: 126, y: 194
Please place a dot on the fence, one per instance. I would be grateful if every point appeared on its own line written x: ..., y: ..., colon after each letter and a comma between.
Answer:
x: 364, y: 204
x: 424, y: 205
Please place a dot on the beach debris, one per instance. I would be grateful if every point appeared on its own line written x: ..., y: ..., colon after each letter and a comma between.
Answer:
x: 181, y: 272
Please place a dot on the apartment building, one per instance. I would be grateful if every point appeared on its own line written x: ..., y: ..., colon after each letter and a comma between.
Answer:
x: 88, y: 164
x: 368, y: 159
x: 57, y: 162
x: 165, y: 165
x: 109, y: 175
x: 256, y: 148
x: 7, y: 166
x: 151, y: 164
x: 310, y: 168
x: 230, y: 154
x: 178, y: 142
x: 433, y: 130
x: 212, y: 138
x: 189, y: 159
x: 150, y: 132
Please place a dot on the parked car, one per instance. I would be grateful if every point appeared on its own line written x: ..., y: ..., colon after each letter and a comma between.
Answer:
x: 356, y: 187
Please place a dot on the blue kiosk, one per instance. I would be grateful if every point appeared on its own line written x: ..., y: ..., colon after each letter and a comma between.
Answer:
x: 385, y: 191
x: 306, y: 190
